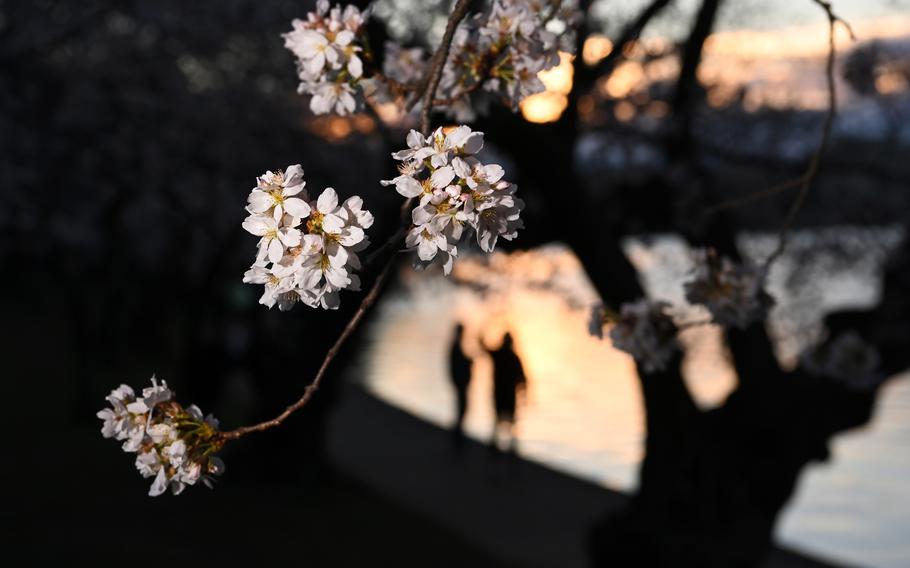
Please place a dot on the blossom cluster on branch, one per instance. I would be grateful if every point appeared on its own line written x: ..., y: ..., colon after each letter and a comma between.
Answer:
x: 175, y: 445
x: 307, y: 249
x: 327, y: 45
x: 643, y: 329
x: 496, y: 53
x: 733, y: 292
x: 501, y: 50
x: 455, y: 192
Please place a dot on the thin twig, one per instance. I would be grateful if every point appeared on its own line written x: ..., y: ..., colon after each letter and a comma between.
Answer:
x: 804, y: 180
x: 311, y: 389
x: 630, y: 35
x: 815, y: 161
x: 756, y: 196
x: 427, y: 92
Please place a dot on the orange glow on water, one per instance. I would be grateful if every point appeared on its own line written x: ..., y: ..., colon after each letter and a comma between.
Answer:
x: 583, y: 399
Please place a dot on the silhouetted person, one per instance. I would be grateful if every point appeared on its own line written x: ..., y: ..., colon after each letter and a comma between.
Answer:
x: 508, y: 380
x: 460, y: 375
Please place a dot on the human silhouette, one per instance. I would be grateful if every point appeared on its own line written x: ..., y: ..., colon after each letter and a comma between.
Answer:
x: 508, y: 382
x: 460, y: 375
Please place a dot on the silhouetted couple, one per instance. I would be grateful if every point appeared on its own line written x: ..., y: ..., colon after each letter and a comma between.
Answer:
x: 508, y: 381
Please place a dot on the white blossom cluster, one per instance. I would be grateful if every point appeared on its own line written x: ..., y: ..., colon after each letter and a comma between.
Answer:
x: 846, y: 358
x: 327, y: 45
x: 734, y: 293
x: 644, y: 330
x: 175, y: 445
x: 501, y: 51
x: 455, y: 191
x: 307, y: 249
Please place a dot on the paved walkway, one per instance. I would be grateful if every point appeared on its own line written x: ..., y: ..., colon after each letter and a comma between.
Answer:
x: 521, y: 512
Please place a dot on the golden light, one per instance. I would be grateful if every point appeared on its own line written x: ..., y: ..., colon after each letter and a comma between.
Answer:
x: 549, y: 105
x: 559, y: 78
x: 390, y: 112
x: 890, y: 83
x: 721, y: 96
x: 332, y: 128
x: 624, y: 111
x: 586, y: 106
x: 625, y: 78
x: 596, y: 48
x: 544, y: 107
x: 657, y: 109
x: 363, y: 123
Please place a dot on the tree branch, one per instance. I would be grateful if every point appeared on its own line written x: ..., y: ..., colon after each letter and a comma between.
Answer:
x: 311, y: 389
x: 629, y: 34
x: 427, y: 92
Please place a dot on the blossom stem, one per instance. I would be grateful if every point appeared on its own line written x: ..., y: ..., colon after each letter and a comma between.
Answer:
x: 311, y: 389
x: 431, y: 81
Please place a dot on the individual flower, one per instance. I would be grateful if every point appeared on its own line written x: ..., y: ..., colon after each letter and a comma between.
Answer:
x: 846, y: 358
x: 278, y: 281
x: 175, y: 445
x: 455, y: 191
x: 329, y: 97
x: 119, y: 422
x: 645, y: 331
x: 734, y: 293
x: 309, y: 252
x: 276, y: 236
x: 277, y: 192
x: 327, y: 45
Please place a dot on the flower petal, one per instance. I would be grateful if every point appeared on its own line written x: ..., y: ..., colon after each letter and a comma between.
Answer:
x: 328, y: 201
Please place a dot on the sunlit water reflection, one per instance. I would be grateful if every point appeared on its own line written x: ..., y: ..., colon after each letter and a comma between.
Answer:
x: 583, y: 411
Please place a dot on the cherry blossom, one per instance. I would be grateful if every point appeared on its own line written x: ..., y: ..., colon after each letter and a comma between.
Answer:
x: 455, y: 191
x: 644, y: 330
x: 175, y: 445
x: 309, y: 252
x: 734, y: 293
x: 501, y: 51
x: 327, y: 45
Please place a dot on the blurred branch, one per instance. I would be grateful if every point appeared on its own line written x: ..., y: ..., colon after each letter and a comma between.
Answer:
x: 630, y: 34
x: 683, y: 100
x: 815, y: 161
